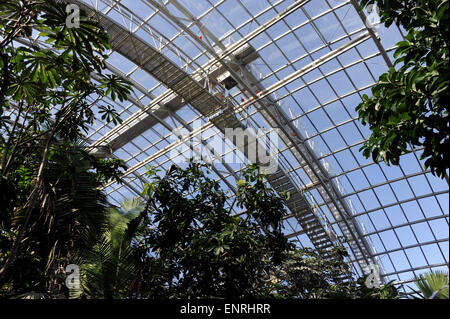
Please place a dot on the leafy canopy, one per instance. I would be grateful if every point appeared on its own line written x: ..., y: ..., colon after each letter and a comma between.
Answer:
x: 48, y: 93
x: 185, y: 242
x: 189, y: 244
x: 198, y: 248
x: 409, y: 106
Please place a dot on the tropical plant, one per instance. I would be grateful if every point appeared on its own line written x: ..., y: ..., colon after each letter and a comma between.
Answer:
x: 72, y: 214
x: 433, y: 285
x: 107, y: 268
x: 192, y: 245
x: 305, y: 274
x: 47, y: 93
x: 409, y: 106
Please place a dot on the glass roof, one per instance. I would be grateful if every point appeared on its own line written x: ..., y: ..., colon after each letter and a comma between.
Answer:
x: 309, y: 63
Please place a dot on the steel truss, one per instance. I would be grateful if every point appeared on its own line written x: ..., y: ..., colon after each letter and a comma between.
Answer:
x: 201, y: 90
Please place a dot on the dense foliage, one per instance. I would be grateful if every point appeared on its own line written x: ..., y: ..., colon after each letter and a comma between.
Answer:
x: 182, y: 242
x: 49, y: 197
x: 409, y: 106
x: 186, y: 243
x: 109, y: 264
x: 307, y: 275
x: 199, y: 248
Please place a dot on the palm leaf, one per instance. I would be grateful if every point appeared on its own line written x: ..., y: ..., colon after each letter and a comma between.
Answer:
x: 434, y: 285
x: 108, y: 266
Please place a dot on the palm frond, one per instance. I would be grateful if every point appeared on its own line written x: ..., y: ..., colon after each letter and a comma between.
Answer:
x: 132, y: 207
x: 433, y: 285
x: 107, y: 268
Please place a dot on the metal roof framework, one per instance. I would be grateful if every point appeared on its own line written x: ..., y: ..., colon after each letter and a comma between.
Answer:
x: 300, y: 67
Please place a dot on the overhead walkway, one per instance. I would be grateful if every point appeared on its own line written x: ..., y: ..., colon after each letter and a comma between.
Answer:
x: 186, y: 89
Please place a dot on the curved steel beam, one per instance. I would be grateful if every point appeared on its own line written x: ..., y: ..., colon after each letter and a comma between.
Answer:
x: 358, y: 244
x: 172, y: 78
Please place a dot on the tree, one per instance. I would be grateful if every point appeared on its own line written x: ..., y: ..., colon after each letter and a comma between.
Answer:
x: 305, y: 274
x: 193, y: 247
x: 72, y: 215
x: 409, y: 105
x: 189, y: 245
x: 46, y: 100
x: 184, y: 242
